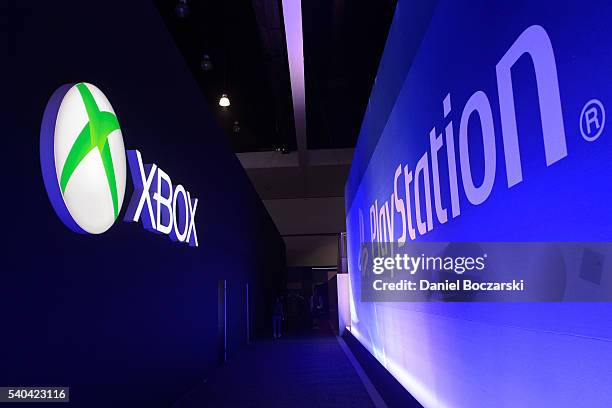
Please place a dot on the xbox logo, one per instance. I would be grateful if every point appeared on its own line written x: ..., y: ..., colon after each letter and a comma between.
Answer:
x: 83, y: 158
x: 83, y: 163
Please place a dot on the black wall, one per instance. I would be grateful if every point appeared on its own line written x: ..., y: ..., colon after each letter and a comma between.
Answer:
x: 127, y: 318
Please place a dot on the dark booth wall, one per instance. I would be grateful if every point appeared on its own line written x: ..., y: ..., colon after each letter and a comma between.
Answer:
x: 126, y: 318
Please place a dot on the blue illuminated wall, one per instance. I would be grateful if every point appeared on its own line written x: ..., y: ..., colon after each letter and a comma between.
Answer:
x: 486, y: 354
x: 127, y: 318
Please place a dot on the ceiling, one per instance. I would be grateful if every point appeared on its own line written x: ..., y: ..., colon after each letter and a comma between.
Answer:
x: 343, y: 43
x: 299, y: 80
x: 342, y: 40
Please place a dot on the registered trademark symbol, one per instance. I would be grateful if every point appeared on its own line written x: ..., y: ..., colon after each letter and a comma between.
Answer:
x: 592, y: 120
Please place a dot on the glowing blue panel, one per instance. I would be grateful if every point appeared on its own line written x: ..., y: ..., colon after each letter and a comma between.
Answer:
x: 520, y: 90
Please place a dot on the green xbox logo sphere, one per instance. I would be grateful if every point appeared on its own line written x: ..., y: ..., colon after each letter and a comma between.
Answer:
x: 83, y: 158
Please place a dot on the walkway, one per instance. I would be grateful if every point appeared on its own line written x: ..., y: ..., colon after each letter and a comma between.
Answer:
x: 290, y: 372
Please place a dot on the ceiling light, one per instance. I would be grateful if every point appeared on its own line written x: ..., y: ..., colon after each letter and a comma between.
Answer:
x: 224, y: 101
x: 182, y: 9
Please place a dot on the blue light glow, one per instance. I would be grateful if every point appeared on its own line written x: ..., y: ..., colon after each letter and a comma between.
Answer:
x: 491, y: 354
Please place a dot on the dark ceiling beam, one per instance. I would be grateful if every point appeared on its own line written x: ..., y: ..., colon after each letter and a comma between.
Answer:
x: 271, y: 32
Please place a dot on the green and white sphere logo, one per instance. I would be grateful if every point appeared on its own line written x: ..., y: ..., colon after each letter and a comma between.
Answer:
x: 83, y: 158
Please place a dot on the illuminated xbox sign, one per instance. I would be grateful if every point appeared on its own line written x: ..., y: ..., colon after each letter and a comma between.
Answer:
x: 83, y: 158
x: 160, y: 205
x: 83, y: 161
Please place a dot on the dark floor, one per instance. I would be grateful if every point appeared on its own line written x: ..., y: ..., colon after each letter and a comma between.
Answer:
x: 306, y: 371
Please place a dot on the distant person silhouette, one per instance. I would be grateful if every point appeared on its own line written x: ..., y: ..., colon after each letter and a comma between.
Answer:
x: 316, y: 303
x: 277, y: 317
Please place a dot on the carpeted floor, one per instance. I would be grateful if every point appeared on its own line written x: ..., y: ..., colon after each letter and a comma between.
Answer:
x: 290, y: 372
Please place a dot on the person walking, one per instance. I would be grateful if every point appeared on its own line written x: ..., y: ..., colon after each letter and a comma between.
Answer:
x: 277, y: 317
